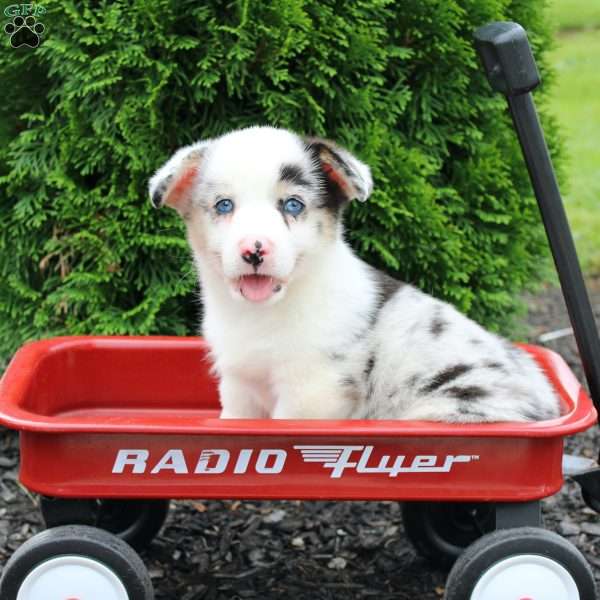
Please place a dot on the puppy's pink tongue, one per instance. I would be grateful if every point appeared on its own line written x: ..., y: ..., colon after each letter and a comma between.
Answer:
x: 256, y: 288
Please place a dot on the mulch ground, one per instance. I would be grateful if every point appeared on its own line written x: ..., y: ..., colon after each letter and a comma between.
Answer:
x: 213, y: 550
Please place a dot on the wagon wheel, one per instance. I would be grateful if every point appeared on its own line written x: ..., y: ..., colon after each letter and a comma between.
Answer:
x: 591, y: 501
x: 524, y: 562
x: 75, y: 561
x: 135, y: 521
x: 440, y: 531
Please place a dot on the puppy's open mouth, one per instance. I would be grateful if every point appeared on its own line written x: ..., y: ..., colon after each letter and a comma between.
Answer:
x: 258, y: 288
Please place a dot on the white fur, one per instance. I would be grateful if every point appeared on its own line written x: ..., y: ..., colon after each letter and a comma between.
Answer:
x: 324, y: 346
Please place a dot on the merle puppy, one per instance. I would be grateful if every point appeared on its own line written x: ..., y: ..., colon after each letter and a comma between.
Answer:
x: 298, y: 325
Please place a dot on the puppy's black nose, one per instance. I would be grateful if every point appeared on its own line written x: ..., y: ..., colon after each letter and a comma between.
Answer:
x: 253, y: 250
x: 253, y: 258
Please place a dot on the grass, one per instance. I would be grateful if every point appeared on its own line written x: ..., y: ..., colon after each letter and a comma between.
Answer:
x: 576, y: 104
x: 575, y: 14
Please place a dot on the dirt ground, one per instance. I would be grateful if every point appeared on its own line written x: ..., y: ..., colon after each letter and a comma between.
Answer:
x: 214, y: 550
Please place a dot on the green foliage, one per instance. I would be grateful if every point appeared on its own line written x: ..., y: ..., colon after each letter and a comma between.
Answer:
x: 116, y: 87
x: 576, y: 104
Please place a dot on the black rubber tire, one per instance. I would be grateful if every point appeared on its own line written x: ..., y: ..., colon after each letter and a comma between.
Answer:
x: 591, y: 501
x: 79, y: 540
x: 440, y: 531
x: 136, y: 522
x: 502, y: 544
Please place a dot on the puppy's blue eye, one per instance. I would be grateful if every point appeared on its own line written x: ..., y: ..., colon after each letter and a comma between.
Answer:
x: 293, y: 206
x: 224, y: 206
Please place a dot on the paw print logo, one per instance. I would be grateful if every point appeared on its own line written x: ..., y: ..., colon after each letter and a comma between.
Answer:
x: 24, y: 31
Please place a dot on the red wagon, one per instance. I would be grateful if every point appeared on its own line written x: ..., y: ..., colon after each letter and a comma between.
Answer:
x: 113, y: 427
x: 106, y: 418
x: 110, y: 417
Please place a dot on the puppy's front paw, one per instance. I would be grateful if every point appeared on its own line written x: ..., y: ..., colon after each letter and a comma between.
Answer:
x: 323, y: 406
x: 239, y: 400
x: 227, y: 414
x: 237, y: 414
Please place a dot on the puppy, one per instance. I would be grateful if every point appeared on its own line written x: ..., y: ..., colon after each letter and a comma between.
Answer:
x: 299, y: 326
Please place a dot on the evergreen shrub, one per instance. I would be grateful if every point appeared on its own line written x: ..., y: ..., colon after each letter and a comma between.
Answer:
x: 115, y: 87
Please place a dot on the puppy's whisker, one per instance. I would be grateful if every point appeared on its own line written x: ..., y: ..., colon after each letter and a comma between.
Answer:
x: 190, y: 273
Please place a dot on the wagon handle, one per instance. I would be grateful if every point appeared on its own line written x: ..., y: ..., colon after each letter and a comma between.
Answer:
x: 510, y: 68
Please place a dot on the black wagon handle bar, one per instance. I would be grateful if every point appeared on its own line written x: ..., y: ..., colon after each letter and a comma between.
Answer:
x: 510, y: 68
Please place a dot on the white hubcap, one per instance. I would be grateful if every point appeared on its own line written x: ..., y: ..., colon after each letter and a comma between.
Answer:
x: 526, y: 577
x: 72, y: 577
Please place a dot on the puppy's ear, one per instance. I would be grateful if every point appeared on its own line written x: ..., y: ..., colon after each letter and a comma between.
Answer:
x: 341, y: 169
x: 173, y: 184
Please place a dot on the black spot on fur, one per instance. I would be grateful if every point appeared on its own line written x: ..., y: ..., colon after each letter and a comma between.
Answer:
x: 393, y: 393
x: 446, y: 376
x: 294, y: 174
x: 530, y: 414
x: 438, y: 324
x: 538, y: 413
x: 496, y: 366
x: 370, y: 391
x: 348, y: 381
x: 466, y: 410
x: 337, y: 356
x: 475, y: 342
x: 369, y: 366
x: 157, y: 196
x: 387, y: 286
x: 467, y: 392
x: 368, y: 370
x: 412, y: 381
x: 159, y: 192
x: 333, y: 198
